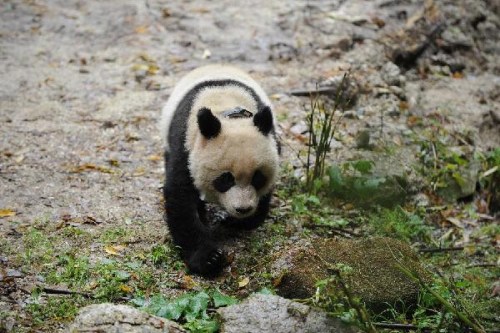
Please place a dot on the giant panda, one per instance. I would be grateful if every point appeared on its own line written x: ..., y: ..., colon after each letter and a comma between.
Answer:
x: 220, y: 148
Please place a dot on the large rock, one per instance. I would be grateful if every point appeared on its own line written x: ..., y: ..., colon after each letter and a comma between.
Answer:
x: 274, y: 314
x: 375, y: 276
x: 113, y: 318
x: 371, y: 178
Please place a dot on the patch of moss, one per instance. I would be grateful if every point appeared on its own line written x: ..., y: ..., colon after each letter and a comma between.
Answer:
x: 374, y: 276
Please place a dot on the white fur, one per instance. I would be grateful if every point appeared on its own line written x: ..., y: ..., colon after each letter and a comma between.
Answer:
x: 201, y: 74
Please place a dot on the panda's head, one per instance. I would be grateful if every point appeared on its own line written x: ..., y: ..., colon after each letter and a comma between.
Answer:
x: 234, y: 162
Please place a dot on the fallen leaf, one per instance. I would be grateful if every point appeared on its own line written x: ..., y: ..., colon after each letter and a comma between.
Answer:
x: 188, y: 282
x: 456, y: 222
x: 139, y: 172
x: 90, y: 167
x: 155, y: 158
x: 141, y: 29
x: 126, y: 289
x: 114, y: 163
x: 489, y: 172
x: 206, y: 54
x: 7, y: 213
x: 243, y: 282
x: 114, y: 249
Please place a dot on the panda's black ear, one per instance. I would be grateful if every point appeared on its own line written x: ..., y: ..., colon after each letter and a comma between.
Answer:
x: 208, y: 123
x: 264, y: 120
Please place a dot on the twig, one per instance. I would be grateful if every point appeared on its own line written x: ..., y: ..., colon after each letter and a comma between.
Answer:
x: 360, y: 309
x: 484, y: 264
x: 402, y: 327
x: 441, y: 249
x: 410, y: 327
x: 52, y: 291
x: 449, y: 307
x: 314, y: 92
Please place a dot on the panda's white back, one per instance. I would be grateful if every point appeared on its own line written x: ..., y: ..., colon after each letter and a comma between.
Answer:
x: 212, y: 97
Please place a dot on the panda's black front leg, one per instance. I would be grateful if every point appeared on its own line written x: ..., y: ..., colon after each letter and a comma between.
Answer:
x: 197, y: 246
x: 256, y: 219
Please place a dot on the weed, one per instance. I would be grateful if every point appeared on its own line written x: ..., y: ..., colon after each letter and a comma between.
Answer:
x: 54, y: 309
x: 322, y: 125
x: 335, y: 296
x: 73, y: 270
x: 398, y: 223
x: 38, y: 249
x: 114, y: 235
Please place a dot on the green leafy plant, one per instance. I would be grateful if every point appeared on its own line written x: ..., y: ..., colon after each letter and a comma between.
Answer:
x: 189, y: 309
x: 322, y: 125
x: 335, y: 296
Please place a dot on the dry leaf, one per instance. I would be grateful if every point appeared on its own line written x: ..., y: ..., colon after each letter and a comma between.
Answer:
x: 7, y: 213
x: 114, y: 249
x: 155, y: 158
x: 90, y: 167
x: 188, y: 282
x: 243, y: 282
x: 139, y: 172
x: 141, y: 29
x: 126, y: 289
x: 456, y: 222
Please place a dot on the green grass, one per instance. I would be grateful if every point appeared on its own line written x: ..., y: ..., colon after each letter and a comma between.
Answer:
x: 400, y: 224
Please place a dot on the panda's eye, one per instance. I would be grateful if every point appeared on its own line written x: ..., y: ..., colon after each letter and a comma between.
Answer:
x: 224, y: 182
x: 258, y: 180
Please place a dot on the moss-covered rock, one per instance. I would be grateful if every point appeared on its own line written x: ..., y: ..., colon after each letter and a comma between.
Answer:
x: 374, y: 277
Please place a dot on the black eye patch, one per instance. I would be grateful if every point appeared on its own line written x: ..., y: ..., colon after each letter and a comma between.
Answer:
x: 258, y: 180
x: 224, y: 182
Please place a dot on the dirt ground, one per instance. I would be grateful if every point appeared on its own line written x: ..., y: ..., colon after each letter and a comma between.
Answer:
x: 83, y: 82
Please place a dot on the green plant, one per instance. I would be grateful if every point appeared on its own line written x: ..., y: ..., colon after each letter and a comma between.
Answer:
x: 437, y: 293
x: 189, y: 309
x: 398, y: 223
x: 114, y: 235
x: 335, y: 296
x: 73, y: 270
x: 38, y: 249
x: 322, y: 125
x: 54, y: 309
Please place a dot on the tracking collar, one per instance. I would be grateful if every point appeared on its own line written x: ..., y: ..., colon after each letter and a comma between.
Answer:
x: 237, y: 112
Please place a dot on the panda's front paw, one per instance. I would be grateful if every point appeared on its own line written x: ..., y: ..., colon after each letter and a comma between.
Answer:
x: 207, y: 260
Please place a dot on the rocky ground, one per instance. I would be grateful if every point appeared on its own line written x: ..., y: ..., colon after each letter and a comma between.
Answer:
x: 83, y: 83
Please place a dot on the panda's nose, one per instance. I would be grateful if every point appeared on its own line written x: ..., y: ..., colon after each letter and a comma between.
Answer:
x: 243, y: 210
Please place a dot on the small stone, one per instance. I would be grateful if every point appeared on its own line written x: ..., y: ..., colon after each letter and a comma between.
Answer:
x: 299, y: 128
x: 399, y: 92
x: 390, y: 73
x: 363, y: 139
x: 349, y: 114
x: 453, y: 38
x: 393, y: 111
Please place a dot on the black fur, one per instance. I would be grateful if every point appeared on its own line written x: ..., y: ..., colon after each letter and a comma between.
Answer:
x: 264, y: 120
x: 224, y: 182
x: 208, y: 123
x: 185, y: 212
x: 258, y: 180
